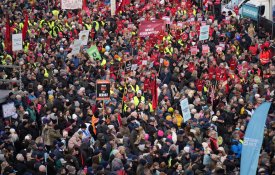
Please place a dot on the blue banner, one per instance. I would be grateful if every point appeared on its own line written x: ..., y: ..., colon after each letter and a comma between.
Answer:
x: 253, y: 140
x: 249, y: 11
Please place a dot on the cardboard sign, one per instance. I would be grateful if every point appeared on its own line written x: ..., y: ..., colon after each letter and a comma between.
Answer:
x: 204, y: 32
x: 71, y: 4
x: 83, y: 37
x: 128, y: 66
x: 134, y: 67
x: 113, y: 7
x: 185, y: 110
x: 76, y: 47
x: 94, y: 53
x: 166, y: 19
x: 103, y: 90
x: 17, y: 42
x: 205, y: 49
x: 194, y: 50
x: 9, y: 110
x: 144, y: 62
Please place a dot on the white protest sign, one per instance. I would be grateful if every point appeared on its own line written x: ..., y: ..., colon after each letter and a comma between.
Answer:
x: 204, y: 32
x: 113, y: 7
x: 9, y: 110
x: 151, y: 65
x: 17, y: 42
x: 144, y: 62
x: 76, y: 47
x: 134, y: 67
x: 166, y: 19
x: 71, y: 4
x: 185, y: 110
x: 84, y: 36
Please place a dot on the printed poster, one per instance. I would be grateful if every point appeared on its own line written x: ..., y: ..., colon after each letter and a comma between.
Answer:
x: 186, y: 114
x: 84, y: 37
x: 103, y: 89
x: 71, y: 4
x: 204, y: 32
x: 76, y: 47
x: 17, y: 42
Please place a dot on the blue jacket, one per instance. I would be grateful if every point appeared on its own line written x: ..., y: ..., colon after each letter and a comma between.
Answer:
x: 236, y: 147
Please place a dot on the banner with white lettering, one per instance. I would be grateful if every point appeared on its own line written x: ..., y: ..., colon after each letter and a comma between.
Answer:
x: 147, y: 28
x: 71, y: 4
x: 103, y: 89
x: 17, y: 42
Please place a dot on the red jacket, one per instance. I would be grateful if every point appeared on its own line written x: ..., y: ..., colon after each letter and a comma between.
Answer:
x: 265, y: 57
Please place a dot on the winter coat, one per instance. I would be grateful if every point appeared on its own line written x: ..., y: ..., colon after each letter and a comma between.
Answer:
x: 236, y: 148
x: 49, y: 134
x: 75, y: 141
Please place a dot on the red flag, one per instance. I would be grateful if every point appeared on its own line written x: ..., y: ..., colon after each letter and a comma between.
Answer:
x: 84, y: 4
x: 119, y: 120
x: 154, y: 94
x: 25, y: 27
x: 8, y: 35
x: 121, y: 6
x: 79, y: 18
x: 127, y: 2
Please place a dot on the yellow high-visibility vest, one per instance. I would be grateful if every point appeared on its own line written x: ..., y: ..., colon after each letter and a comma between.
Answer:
x: 136, y: 100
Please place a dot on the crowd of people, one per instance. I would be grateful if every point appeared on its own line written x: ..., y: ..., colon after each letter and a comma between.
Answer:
x: 60, y: 127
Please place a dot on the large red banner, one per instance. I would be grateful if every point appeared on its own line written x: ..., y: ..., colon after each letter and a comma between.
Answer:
x: 147, y: 28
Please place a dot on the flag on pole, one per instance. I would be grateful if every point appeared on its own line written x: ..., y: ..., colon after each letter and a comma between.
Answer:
x: 8, y: 35
x: 253, y: 140
x: 25, y: 27
x: 94, y: 53
x: 121, y: 6
x: 84, y: 4
x: 154, y: 92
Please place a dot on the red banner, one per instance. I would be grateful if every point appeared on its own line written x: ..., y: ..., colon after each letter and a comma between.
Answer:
x: 147, y: 28
x: 8, y: 35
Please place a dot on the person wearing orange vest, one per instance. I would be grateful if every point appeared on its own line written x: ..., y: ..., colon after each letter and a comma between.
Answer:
x: 265, y: 56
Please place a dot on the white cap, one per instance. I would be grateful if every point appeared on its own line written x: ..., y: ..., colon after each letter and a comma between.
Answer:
x: 39, y: 87
x: 74, y: 116
x: 214, y: 118
x: 139, y: 92
x: 186, y: 149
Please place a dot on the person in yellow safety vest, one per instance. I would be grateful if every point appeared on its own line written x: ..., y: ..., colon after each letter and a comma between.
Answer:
x: 134, y: 86
x: 168, y: 38
x: 55, y: 12
x: 180, y: 42
x: 88, y: 26
x: 194, y: 12
x: 54, y: 31
x: 51, y: 23
x: 138, y: 98
x: 180, y: 12
x: 4, y: 58
x: 95, y: 25
x: 21, y: 25
x: 41, y: 23
x: 168, y: 50
x: 26, y: 47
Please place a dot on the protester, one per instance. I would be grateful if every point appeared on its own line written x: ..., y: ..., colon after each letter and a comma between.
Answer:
x: 60, y: 126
